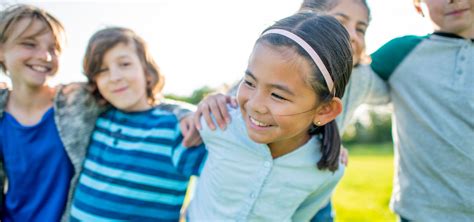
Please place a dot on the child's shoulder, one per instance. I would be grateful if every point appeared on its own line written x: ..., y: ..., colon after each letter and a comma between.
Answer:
x: 3, y: 100
x: 387, y: 58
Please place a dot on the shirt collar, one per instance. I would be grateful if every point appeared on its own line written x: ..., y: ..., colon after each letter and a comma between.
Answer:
x: 450, y: 35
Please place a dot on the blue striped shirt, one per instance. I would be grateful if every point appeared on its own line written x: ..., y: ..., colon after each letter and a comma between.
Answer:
x: 136, y: 168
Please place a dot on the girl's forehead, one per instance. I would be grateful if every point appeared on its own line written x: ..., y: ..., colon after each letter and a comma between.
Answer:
x: 274, y: 60
x: 28, y: 28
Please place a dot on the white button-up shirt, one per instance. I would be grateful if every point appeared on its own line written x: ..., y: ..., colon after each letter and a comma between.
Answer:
x: 242, y: 182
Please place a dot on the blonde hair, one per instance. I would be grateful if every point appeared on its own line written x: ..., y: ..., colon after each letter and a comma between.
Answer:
x: 10, y: 17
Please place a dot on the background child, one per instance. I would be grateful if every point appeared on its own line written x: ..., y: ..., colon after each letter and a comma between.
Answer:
x: 264, y: 166
x: 30, y: 44
x: 432, y: 91
x: 136, y: 167
x: 39, y: 170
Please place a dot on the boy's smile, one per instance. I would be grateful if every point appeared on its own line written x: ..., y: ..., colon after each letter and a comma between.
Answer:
x: 456, y: 17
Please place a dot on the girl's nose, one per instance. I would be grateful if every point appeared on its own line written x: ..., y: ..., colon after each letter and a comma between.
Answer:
x: 45, y: 55
x: 257, y: 104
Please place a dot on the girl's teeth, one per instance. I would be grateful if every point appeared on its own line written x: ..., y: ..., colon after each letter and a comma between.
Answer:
x: 39, y: 68
x: 257, y: 122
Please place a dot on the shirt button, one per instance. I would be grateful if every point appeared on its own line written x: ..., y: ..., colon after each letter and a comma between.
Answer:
x: 267, y: 164
x: 462, y: 58
x: 253, y: 195
x: 459, y: 72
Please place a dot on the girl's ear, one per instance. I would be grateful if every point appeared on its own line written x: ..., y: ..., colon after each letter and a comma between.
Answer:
x: 418, y: 7
x: 328, y: 112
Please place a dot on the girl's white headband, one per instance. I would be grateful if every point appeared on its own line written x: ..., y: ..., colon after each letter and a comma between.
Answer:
x: 310, y: 51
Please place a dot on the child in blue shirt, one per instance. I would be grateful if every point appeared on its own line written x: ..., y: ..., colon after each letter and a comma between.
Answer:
x: 279, y: 158
x: 136, y: 167
x: 39, y: 170
x: 44, y: 131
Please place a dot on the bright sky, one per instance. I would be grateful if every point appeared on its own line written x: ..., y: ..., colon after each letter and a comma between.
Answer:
x: 205, y: 42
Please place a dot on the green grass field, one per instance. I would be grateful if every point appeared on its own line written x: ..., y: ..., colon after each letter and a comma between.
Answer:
x: 364, y: 192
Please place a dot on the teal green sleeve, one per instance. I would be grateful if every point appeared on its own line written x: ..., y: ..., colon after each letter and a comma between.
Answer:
x: 387, y: 58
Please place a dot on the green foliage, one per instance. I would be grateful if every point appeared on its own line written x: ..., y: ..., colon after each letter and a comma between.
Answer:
x: 376, y: 130
x: 195, y: 97
x: 364, y: 192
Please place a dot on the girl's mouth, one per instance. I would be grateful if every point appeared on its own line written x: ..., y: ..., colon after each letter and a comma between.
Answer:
x: 258, y: 123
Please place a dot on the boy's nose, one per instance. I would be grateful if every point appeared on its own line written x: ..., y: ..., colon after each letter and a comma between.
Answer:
x: 115, y: 74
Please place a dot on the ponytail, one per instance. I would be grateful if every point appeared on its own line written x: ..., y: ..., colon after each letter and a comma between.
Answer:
x: 330, y: 145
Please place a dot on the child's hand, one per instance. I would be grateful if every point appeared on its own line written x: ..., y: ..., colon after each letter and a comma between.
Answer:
x: 217, y: 106
x: 344, y: 156
x: 191, y: 136
x: 3, y: 85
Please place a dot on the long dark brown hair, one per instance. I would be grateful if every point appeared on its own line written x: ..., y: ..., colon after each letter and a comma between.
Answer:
x: 331, y: 41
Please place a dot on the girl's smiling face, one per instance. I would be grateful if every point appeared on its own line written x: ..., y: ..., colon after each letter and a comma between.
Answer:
x: 277, y: 103
x: 354, y: 15
x: 30, y: 54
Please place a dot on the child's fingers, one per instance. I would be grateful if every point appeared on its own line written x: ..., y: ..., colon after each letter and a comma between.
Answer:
x: 344, y: 156
x: 216, y: 112
x: 222, y: 104
x: 192, y: 138
x: 184, y: 124
x: 206, y: 114
x: 233, y: 102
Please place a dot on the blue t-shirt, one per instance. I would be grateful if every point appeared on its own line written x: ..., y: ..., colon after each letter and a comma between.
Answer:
x: 37, y: 167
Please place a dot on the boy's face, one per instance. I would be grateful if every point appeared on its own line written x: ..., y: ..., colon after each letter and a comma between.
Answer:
x: 122, y: 80
x: 29, y: 54
x: 451, y: 16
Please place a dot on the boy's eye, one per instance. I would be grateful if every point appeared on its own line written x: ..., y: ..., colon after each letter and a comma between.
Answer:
x: 102, y: 71
x: 124, y: 64
x: 278, y: 97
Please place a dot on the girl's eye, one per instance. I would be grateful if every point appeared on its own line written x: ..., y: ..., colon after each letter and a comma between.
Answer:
x: 278, y: 97
x: 124, y: 64
x: 28, y: 44
x: 249, y: 84
x: 361, y: 31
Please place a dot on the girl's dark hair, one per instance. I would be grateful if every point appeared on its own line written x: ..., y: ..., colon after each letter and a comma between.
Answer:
x: 104, y: 40
x: 331, y: 41
x: 322, y: 6
x: 10, y: 16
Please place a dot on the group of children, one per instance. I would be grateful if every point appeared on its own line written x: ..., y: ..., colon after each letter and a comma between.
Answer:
x: 110, y: 149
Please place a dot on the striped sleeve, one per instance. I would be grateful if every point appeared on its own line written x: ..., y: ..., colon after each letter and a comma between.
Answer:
x: 188, y: 161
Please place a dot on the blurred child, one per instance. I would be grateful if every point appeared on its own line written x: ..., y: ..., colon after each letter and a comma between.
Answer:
x: 431, y: 80
x: 34, y: 123
x: 136, y: 167
x: 279, y: 158
x: 54, y: 124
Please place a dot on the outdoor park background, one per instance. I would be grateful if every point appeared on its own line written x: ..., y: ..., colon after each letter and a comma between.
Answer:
x: 201, y: 45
